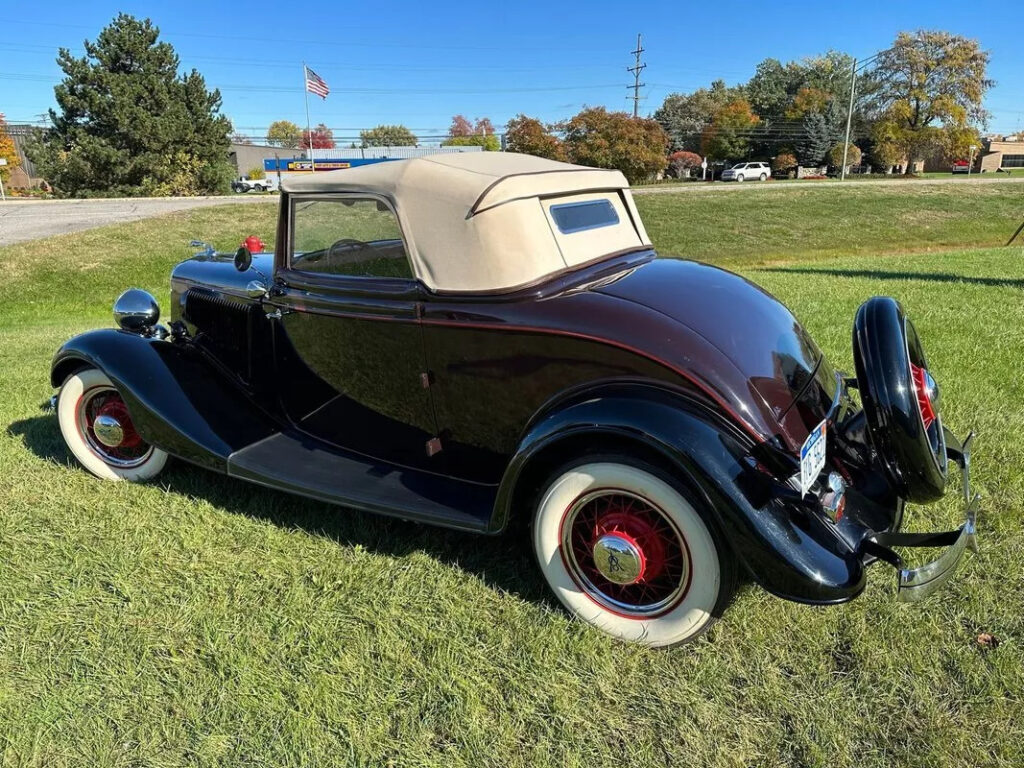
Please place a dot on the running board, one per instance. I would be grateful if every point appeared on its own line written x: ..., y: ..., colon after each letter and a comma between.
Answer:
x: 296, y: 463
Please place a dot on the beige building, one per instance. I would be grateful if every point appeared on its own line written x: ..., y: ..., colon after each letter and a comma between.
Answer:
x: 245, y: 157
x: 1006, y: 154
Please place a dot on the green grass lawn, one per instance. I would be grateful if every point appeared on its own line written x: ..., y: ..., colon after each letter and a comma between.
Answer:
x: 203, y: 621
x: 758, y: 225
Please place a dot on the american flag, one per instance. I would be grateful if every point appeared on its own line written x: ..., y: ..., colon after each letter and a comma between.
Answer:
x: 316, y: 84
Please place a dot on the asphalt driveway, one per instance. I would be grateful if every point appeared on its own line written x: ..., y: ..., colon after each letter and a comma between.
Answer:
x: 22, y: 220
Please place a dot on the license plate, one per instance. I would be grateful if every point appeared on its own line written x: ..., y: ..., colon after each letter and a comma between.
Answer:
x: 812, y: 457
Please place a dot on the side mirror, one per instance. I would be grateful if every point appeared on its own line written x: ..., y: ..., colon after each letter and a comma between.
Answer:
x: 243, y: 259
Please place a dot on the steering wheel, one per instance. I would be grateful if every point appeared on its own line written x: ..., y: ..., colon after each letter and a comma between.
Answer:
x: 345, y: 244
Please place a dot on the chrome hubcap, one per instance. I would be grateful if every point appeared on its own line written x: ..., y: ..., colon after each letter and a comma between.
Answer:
x: 108, y: 431
x: 106, y: 426
x: 618, y: 559
x: 626, y: 554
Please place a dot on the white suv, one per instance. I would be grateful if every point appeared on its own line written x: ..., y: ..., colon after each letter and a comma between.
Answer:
x: 245, y: 184
x: 745, y: 171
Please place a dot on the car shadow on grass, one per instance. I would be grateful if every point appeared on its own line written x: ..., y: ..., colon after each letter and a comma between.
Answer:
x: 502, y: 562
x: 881, y: 274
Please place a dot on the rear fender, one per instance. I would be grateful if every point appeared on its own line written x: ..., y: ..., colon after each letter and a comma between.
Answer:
x: 784, y: 544
x: 177, y: 399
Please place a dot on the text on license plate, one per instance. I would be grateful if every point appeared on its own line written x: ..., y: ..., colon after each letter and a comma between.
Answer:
x: 812, y: 457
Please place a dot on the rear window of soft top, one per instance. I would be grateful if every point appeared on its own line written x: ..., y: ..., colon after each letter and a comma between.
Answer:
x: 588, y: 214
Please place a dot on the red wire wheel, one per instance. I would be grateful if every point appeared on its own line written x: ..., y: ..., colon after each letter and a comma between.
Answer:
x: 104, y: 422
x: 625, y: 554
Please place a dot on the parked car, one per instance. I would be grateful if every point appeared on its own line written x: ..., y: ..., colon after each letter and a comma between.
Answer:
x: 476, y: 340
x: 245, y: 184
x: 961, y: 166
x: 747, y: 171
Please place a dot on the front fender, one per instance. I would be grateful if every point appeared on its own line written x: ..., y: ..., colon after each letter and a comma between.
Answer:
x: 177, y: 400
x: 786, y: 546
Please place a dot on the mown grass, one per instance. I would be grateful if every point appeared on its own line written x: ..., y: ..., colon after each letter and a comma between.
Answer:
x: 760, y: 225
x: 202, y: 621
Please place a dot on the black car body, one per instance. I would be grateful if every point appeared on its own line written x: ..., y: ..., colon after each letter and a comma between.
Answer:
x: 361, y: 373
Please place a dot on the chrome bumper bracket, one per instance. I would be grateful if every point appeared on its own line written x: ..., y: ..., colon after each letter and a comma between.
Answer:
x: 914, y: 584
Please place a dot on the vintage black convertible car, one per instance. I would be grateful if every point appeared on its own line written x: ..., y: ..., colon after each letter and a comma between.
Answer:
x: 472, y: 340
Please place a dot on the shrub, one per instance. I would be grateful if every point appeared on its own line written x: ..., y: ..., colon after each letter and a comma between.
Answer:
x: 835, y: 155
x: 680, y: 164
x: 489, y: 142
x: 256, y: 172
x: 784, y: 162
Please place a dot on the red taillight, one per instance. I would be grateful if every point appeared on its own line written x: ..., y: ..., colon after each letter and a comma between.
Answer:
x: 924, y: 402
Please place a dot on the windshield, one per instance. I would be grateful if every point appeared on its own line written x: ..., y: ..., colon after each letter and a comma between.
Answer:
x: 739, y: 165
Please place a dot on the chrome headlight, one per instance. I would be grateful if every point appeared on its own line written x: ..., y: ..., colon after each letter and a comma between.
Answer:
x: 136, y: 310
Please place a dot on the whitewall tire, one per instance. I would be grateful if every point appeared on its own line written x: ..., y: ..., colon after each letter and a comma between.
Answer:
x: 626, y: 551
x: 98, y: 430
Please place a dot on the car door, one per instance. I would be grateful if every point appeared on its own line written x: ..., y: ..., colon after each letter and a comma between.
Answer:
x: 348, y: 343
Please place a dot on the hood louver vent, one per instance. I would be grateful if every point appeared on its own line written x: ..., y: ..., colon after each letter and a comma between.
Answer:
x: 223, y: 327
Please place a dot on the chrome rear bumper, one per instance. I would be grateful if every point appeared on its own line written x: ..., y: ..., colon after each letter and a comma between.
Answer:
x: 914, y: 584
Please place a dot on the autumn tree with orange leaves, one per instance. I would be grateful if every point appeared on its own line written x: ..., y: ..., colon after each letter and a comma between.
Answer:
x: 728, y: 135
x: 7, y: 151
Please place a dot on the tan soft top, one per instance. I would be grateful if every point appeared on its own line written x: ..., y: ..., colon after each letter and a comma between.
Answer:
x: 481, y: 221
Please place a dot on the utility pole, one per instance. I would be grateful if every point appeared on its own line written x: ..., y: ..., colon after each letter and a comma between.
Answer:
x: 636, y: 69
x: 849, y: 119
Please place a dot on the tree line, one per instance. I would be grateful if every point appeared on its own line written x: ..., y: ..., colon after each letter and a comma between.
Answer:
x: 127, y: 123
x: 462, y: 132
x: 921, y: 97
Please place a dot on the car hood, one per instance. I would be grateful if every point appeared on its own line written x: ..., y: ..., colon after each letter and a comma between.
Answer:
x: 748, y: 326
x: 217, y: 272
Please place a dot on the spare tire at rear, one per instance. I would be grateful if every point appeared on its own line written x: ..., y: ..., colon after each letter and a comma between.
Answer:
x: 900, y: 400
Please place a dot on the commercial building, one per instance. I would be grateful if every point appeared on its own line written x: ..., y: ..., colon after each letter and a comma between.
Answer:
x: 1004, y: 153
x: 246, y: 157
x: 340, y: 158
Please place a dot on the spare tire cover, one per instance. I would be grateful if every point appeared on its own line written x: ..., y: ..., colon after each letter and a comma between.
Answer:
x: 900, y: 400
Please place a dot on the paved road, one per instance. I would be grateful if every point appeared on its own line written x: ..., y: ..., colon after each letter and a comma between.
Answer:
x: 657, y: 189
x: 22, y: 220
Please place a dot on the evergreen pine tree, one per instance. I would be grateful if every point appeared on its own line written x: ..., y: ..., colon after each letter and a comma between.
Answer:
x: 816, y: 141
x: 128, y: 124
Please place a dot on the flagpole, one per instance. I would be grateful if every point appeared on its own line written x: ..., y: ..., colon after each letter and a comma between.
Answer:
x: 309, y: 128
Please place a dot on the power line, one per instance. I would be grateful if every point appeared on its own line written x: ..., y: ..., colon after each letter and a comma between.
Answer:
x: 636, y: 69
x: 187, y: 59
x: 250, y: 88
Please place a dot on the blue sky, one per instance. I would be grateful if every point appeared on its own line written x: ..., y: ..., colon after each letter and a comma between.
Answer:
x: 418, y: 63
